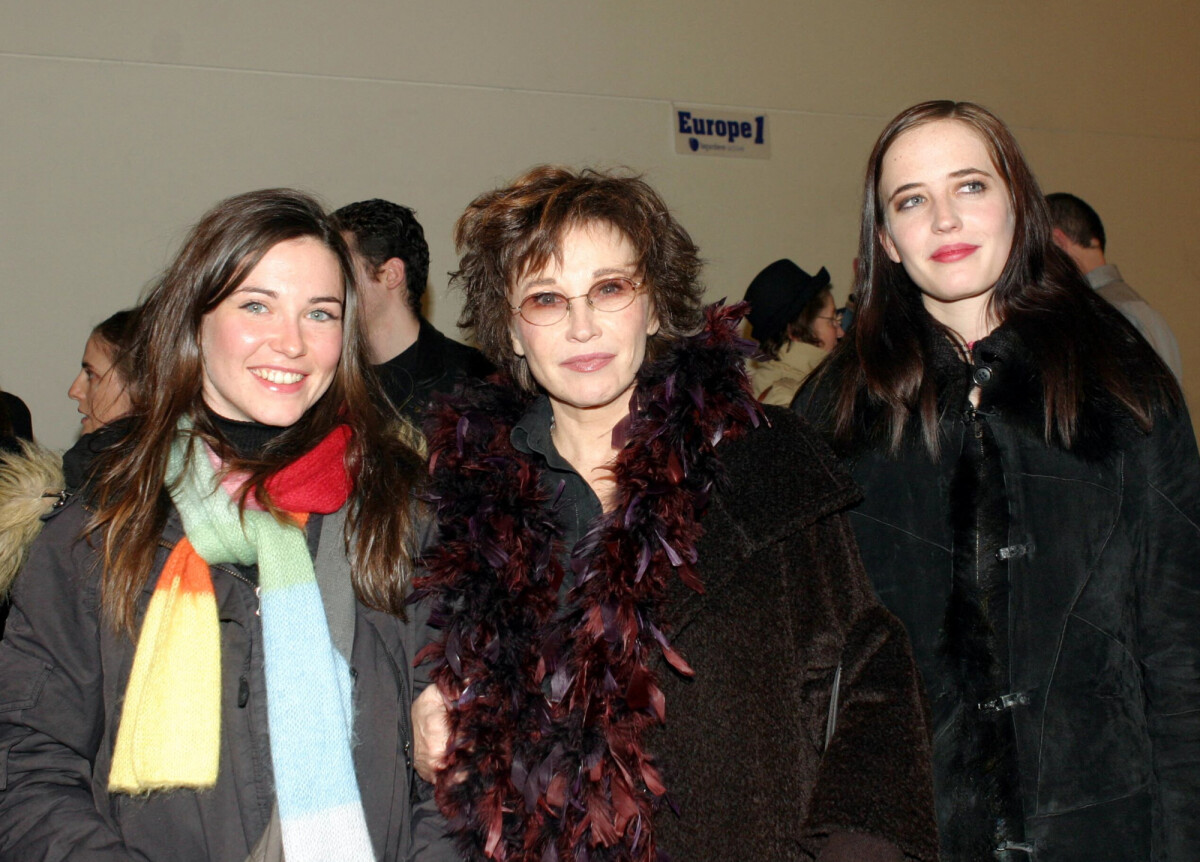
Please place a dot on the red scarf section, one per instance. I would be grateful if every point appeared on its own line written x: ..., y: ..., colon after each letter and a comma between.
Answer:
x: 318, y: 480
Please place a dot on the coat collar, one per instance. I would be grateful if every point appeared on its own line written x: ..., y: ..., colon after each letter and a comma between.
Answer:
x: 1014, y: 390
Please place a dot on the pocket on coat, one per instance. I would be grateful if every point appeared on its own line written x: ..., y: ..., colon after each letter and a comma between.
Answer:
x: 22, y: 678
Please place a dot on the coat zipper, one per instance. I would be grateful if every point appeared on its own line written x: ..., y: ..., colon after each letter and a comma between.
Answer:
x: 170, y: 546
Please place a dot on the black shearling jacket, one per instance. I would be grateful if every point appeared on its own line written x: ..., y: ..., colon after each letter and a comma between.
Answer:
x: 1102, y: 640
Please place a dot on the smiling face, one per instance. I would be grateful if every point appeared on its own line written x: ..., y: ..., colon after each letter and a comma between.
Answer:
x: 588, y: 361
x: 947, y: 219
x: 98, y: 388
x: 271, y: 348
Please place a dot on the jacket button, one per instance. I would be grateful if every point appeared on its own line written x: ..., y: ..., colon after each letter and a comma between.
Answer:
x: 1011, y: 552
x: 982, y: 375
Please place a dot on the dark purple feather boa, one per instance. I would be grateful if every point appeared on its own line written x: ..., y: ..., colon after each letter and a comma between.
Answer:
x: 557, y: 771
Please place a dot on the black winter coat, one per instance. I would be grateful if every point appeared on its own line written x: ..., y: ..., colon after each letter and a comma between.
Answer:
x: 63, y: 674
x: 1100, y: 630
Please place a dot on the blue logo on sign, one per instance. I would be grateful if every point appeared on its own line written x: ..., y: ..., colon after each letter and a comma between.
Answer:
x: 730, y: 130
x: 694, y: 144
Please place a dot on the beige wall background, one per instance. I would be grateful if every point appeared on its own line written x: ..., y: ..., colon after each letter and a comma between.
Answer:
x: 122, y: 122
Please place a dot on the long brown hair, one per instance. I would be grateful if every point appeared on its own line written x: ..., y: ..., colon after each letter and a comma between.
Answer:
x: 128, y: 481
x: 1064, y: 325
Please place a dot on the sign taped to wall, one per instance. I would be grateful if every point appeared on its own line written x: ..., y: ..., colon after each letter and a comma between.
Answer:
x: 707, y: 131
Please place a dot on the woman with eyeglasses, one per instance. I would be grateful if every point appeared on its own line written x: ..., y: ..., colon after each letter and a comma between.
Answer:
x: 1032, y: 496
x: 207, y: 657
x: 795, y: 322
x: 649, y: 639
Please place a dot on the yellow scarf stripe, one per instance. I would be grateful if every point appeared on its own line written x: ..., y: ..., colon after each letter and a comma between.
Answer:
x: 171, y: 719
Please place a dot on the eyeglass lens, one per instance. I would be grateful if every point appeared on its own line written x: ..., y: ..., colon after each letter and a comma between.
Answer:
x: 547, y: 307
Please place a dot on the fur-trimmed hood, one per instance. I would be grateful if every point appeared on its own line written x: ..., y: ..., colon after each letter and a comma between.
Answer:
x: 31, y: 482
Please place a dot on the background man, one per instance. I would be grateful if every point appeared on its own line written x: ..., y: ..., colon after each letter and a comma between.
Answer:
x: 412, y: 358
x: 1079, y: 232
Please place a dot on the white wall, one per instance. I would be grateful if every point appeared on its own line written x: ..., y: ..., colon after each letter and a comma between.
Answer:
x: 123, y: 121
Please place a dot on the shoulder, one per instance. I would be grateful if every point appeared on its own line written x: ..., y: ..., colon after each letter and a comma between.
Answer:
x: 458, y: 359
x: 63, y: 562
x: 783, y: 472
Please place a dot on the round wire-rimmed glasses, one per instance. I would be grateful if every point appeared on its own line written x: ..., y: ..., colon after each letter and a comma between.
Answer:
x: 547, y: 307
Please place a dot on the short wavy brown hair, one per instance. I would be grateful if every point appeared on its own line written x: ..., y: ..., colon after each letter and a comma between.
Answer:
x: 509, y: 232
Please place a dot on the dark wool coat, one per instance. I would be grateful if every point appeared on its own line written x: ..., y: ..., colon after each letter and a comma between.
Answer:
x: 785, y: 600
x: 743, y: 749
x: 63, y: 675
x: 1101, y: 644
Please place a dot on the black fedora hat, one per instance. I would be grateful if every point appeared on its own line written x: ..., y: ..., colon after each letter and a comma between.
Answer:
x: 778, y: 294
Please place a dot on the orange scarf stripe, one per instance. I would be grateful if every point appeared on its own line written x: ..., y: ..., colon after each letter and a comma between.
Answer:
x: 189, y: 567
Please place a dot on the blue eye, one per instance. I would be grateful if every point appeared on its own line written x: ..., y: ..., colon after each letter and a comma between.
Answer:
x: 910, y: 202
x: 322, y: 314
x: 614, y: 287
x: 254, y: 307
x: 974, y: 187
x: 546, y: 299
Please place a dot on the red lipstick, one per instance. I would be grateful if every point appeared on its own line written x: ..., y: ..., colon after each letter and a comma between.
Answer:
x: 951, y: 253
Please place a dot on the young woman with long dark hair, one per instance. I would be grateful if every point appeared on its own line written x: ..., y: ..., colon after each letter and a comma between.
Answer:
x: 206, y: 658
x: 1032, y: 495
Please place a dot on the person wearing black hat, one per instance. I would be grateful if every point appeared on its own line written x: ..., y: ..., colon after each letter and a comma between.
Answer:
x: 794, y: 320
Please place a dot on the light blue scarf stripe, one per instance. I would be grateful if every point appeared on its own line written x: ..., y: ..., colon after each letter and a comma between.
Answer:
x: 308, y: 702
x: 300, y: 725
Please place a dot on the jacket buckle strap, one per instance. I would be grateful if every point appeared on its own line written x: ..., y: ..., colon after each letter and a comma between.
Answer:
x: 1005, y: 850
x: 1005, y: 701
x: 60, y: 498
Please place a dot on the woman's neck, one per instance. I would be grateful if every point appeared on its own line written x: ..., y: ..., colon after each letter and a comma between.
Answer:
x: 968, y: 319
x: 584, y: 438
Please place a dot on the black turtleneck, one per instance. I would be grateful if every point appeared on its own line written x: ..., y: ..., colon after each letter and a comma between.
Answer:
x: 247, y: 439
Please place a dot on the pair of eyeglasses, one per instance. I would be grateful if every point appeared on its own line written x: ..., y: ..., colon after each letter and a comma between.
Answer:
x: 548, y: 307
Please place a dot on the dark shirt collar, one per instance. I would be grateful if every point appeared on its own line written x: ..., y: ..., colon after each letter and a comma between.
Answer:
x: 576, y: 504
x: 421, y: 359
x: 531, y: 434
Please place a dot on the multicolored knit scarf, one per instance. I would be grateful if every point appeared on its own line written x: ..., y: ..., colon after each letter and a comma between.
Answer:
x: 170, y: 729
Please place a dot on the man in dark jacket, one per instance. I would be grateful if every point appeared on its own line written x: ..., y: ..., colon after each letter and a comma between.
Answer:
x: 413, y: 360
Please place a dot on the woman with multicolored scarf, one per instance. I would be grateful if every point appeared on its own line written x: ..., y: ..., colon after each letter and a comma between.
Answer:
x: 207, y: 657
x: 656, y: 634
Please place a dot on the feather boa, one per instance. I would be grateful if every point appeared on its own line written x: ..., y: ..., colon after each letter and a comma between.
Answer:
x: 550, y: 707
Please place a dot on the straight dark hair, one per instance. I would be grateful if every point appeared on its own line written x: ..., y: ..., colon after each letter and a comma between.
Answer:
x: 1072, y: 337
x: 118, y: 332
x: 129, y: 478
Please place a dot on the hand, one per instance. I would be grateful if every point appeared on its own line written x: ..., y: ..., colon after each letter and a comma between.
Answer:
x: 431, y: 733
